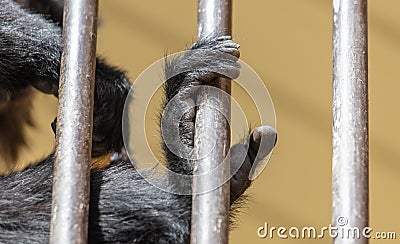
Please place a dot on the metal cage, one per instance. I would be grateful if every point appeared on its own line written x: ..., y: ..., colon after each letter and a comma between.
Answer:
x: 210, y: 210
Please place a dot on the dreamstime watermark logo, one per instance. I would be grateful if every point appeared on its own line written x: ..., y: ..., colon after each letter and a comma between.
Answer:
x: 341, y: 229
x: 342, y: 221
x: 180, y: 109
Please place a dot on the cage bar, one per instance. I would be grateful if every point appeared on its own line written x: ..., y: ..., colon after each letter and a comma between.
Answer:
x: 350, y: 120
x: 69, y: 220
x: 210, y: 211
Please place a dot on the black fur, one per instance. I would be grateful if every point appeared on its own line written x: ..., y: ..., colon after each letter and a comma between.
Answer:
x: 124, y: 208
x: 30, y: 50
x: 51, y: 9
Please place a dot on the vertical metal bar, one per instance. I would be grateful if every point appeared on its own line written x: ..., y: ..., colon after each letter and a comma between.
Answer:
x: 69, y: 221
x: 350, y: 118
x: 210, y: 211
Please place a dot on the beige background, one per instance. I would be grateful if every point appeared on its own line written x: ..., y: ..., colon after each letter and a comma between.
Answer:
x: 288, y: 43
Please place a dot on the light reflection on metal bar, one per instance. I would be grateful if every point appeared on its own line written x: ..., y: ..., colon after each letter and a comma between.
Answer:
x: 69, y: 221
x: 210, y: 211
x: 350, y: 117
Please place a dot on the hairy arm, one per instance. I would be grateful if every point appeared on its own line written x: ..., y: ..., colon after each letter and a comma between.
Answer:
x: 30, y: 55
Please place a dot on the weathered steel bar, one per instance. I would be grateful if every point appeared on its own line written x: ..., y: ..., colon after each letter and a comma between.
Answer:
x: 210, y: 212
x: 69, y: 221
x: 350, y: 120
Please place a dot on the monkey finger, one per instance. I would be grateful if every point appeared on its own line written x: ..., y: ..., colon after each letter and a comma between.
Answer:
x: 262, y: 141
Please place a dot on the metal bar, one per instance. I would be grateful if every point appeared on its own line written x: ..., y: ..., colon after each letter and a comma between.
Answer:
x: 210, y: 211
x: 69, y: 221
x: 350, y: 119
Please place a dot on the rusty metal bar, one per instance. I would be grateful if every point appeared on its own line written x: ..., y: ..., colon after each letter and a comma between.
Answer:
x: 210, y: 211
x: 69, y: 220
x: 350, y: 119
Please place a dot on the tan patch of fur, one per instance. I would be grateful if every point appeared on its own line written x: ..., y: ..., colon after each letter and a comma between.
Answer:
x: 101, y: 162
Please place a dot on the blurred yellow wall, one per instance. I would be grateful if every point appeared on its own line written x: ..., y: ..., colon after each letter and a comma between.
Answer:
x: 288, y: 43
